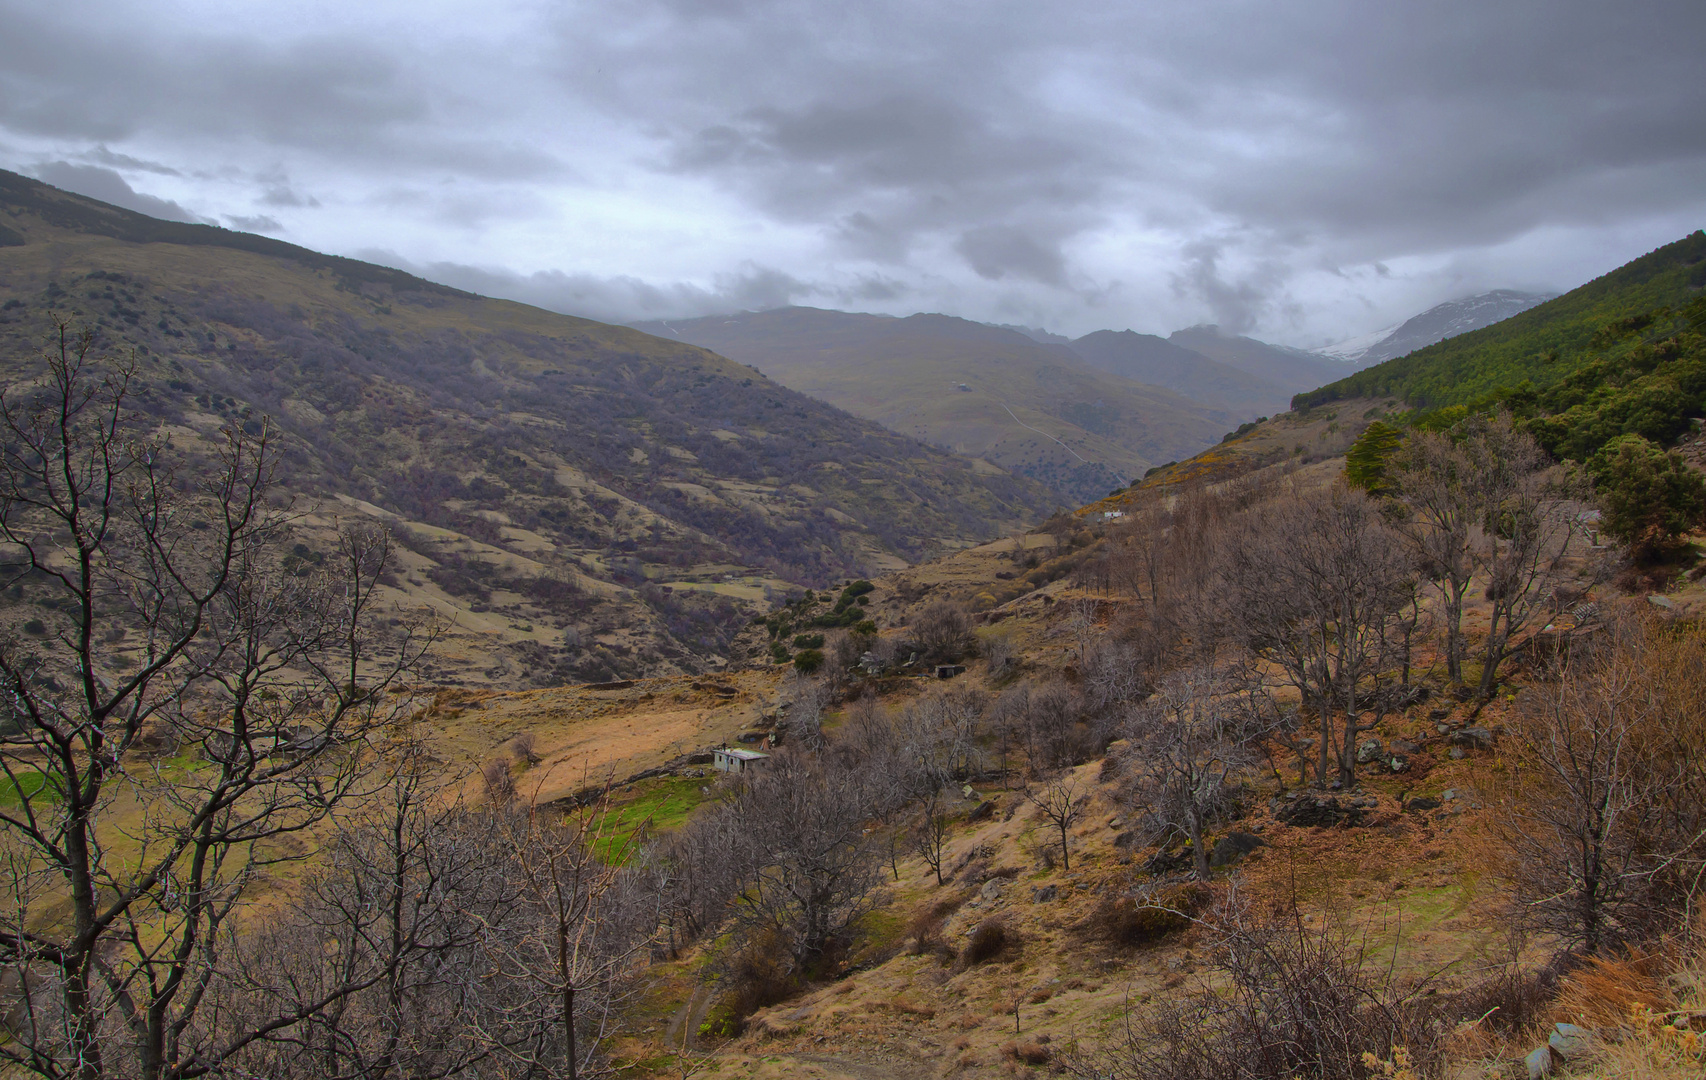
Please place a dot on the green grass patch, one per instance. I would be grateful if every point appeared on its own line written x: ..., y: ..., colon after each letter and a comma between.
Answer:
x: 661, y: 806
x: 28, y: 784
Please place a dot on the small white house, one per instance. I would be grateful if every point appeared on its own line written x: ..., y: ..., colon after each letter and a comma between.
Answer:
x: 728, y: 759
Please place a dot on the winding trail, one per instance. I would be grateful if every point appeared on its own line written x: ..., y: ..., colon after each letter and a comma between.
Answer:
x: 1044, y: 434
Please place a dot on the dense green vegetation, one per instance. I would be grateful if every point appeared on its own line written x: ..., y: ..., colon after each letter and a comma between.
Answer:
x: 1541, y: 346
x: 1649, y: 497
x: 1366, y: 461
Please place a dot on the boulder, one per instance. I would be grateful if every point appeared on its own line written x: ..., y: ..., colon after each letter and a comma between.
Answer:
x: 1425, y: 803
x: 1232, y: 847
x: 1404, y: 747
x: 991, y: 889
x: 1372, y: 750
x: 1539, y: 1063
x: 1044, y: 894
x: 1473, y: 738
x: 1570, y: 1041
x: 1170, y: 862
x: 1319, y: 810
x: 983, y: 812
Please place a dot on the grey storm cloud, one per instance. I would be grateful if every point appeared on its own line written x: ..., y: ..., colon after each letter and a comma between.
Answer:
x: 750, y: 288
x: 1283, y: 168
x: 108, y: 186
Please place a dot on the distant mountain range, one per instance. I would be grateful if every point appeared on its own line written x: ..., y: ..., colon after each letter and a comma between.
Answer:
x: 990, y: 392
x: 1080, y: 415
x: 586, y: 501
x: 1542, y: 345
x: 1442, y: 321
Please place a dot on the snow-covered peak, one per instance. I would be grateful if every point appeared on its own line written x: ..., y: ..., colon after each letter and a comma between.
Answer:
x: 1435, y: 324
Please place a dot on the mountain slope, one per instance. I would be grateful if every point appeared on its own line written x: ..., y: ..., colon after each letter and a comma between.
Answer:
x: 587, y: 500
x: 1542, y: 345
x: 1037, y: 409
x: 1150, y: 359
x: 1293, y: 369
x: 1439, y: 322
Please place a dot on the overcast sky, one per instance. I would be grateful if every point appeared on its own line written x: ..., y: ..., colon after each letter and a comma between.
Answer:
x: 1300, y: 170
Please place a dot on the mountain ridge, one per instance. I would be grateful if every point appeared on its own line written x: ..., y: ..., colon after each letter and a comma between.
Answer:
x: 1454, y: 317
x: 587, y: 501
x: 991, y: 392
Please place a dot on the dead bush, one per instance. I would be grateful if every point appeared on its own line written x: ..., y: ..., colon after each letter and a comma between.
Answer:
x: 1285, y: 999
x: 925, y: 930
x: 1031, y: 1052
x: 909, y: 1007
x: 989, y: 940
x: 1509, y: 1001
x: 1604, y: 992
x: 1145, y: 918
x: 757, y: 973
x: 522, y: 748
x: 497, y: 782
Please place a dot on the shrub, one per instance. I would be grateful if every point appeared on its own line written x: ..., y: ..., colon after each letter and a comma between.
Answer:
x: 807, y: 661
x: 943, y: 632
x: 1131, y: 921
x: 1649, y: 498
x: 1287, y: 1000
x: 1031, y: 1052
x: 987, y: 941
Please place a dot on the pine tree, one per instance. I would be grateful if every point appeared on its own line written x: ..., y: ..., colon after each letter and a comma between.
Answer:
x: 1366, y: 461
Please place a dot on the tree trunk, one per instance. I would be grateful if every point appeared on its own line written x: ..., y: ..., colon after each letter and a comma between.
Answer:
x: 1197, y: 851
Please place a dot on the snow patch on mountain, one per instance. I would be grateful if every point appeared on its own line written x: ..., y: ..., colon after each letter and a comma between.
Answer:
x: 1442, y: 321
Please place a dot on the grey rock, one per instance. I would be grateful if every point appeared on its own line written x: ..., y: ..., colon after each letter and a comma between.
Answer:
x: 1404, y: 746
x: 1438, y: 714
x: 1417, y: 806
x: 1044, y: 894
x: 1457, y: 753
x: 1474, y: 738
x: 1662, y: 602
x: 1398, y: 764
x: 991, y: 889
x: 1570, y: 1041
x: 1320, y: 810
x: 1369, y: 751
x: 1233, y: 847
x: 1539, y: 1063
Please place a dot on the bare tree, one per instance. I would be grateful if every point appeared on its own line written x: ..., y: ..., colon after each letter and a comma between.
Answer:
x: 390, y: 958
x: 1525, y: 527
x: 278, y: 679
x: 1603, y: 819
x: 942, y: 632
x: 1060, y: 803
x: 1318, y: 583
x: 1485, y: 506
x: 1051, y: 731
x: 589, y: 927
x: 1437, y: 481
x: 1187, y: 745
x: 814, y: 865
x: 930, y: 836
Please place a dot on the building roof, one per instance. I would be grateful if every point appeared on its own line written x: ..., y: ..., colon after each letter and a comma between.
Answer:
x: 744, y: 755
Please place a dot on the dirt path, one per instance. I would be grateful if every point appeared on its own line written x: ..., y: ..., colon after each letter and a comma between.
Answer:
x: 688, y: 1018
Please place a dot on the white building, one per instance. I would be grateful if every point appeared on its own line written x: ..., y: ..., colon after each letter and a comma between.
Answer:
x: 727, y: 759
